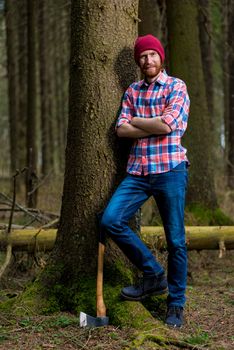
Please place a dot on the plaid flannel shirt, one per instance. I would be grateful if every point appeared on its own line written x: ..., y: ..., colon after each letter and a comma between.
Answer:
x: 168, y: 99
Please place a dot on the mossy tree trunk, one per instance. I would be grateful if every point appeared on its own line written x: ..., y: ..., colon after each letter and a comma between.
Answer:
x: 185, y: 63
x: 95, y: 94
x: 102, y: 66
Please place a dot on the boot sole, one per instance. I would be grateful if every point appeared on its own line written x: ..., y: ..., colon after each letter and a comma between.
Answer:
x: 142, y: 297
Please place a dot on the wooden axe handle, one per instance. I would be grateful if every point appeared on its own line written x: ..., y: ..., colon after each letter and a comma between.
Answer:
x: 101, y: 308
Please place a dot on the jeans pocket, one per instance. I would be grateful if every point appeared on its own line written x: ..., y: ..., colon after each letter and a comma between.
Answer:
x: 180, y: 167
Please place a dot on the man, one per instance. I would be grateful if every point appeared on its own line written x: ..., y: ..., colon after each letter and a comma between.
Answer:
x: 154, y: 113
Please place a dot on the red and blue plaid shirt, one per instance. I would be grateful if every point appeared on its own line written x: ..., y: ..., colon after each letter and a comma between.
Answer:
x: 168, y: 99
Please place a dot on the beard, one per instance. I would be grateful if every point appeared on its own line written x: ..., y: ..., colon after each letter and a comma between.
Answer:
x: 151, y: 71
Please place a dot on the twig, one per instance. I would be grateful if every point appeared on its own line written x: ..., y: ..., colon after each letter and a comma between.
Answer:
x: 40, y: 183
x: 22, y: 208
x: 51, y: 223
x: 29, y: 223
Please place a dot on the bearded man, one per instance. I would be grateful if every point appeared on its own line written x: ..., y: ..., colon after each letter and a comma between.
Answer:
x: 154, y: 114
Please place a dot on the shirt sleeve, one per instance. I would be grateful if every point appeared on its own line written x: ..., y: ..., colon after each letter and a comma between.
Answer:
x: 176, y: 112
x: 126, y: 113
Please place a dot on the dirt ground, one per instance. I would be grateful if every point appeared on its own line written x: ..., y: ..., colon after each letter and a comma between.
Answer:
x: 209, y: 316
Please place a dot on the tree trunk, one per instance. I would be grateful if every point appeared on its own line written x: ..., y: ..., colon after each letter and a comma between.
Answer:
x: 152, y: 15
x: 230, y: 122
x: 94, y: 100
x: 102, y: 65
x: 52, y: 77
x: 22, y: 61
x: 205, y: 36
x: 13, y: 85
x: 44, y: 93
x: 185, y: 63
x: 31, y: 195
x: 225, y: 76
x: 64, y: 54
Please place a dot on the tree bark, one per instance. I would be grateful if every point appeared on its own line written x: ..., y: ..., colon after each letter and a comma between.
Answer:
x: 44, y: 93
x: 152, y: 15
x: 94, y: 100
x: 13, y: 84
x: 230, y: 122
x: 22, y: 62
x: 102, y: 66
x: 207, y: 54
x: 31, y: 195
x: 185, y: 63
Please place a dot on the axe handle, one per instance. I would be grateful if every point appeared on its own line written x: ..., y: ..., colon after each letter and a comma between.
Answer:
x: 101, y: 308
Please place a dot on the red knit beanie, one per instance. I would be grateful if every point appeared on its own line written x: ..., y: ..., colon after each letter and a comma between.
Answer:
x: 148, y: 42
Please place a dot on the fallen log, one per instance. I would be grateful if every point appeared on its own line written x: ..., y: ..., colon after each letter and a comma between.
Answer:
x: 31, y: 240
x: 198, y: 238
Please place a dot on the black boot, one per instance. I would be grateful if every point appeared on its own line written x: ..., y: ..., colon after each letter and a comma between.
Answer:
x: 174, y: 316
x: 155, y: 285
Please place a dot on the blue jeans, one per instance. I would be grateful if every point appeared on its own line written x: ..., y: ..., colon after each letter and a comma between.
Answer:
x: 169, y: 191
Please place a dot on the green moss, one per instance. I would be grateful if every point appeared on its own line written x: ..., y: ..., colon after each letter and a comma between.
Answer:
x: 201, y: 338
x: 126, y: 313
x: 6, y: 305
x: 47, y: 298
x: 197, y: 214
x: 85, y: 296
x: 154, y: 341
x: 118, y: 273
x: 34, y: 302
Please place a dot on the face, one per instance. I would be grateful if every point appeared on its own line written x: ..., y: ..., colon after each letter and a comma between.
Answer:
x: 150, y: 63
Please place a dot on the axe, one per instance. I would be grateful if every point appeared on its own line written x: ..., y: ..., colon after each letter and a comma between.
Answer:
x: 101, y: 319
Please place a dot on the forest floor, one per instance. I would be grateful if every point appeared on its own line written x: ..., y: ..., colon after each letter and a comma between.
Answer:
x: 209, y: 316
x: 209, y: 313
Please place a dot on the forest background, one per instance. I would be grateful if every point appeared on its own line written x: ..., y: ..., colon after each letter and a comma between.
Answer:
x: 44, y: 84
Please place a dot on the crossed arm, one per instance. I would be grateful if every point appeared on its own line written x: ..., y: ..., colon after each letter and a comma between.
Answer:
x: 143, y: 127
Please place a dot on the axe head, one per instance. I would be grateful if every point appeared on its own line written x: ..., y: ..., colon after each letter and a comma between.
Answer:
x: 89, y: 321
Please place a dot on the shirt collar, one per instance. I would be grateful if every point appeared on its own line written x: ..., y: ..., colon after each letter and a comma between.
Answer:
x: 161, y: 79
